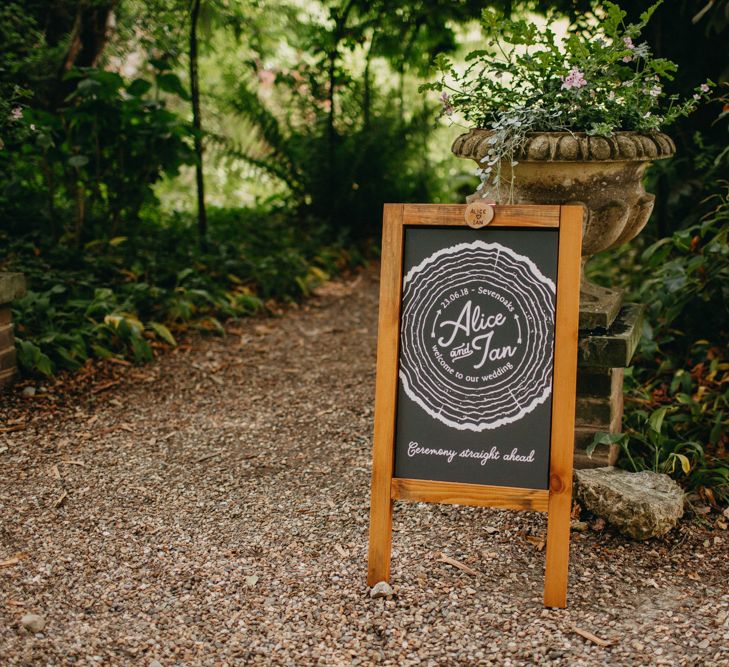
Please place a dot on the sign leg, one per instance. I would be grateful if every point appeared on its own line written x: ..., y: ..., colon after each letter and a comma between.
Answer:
x: 385, y: 396
x: 558, y: 549
x: 378, y: 568
x: 563, y: 408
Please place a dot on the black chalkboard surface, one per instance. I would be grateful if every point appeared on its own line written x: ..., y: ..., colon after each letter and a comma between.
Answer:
x: 476, y: 355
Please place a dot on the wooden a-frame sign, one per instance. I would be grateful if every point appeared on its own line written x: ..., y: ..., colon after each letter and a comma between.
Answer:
x: 476, y: 368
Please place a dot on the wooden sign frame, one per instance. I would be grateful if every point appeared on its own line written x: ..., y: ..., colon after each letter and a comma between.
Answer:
x: 557, y: 499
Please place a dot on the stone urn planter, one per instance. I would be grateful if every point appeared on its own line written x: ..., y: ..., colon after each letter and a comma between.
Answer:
x: 604, y: 174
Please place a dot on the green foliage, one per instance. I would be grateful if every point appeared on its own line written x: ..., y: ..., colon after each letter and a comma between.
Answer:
x: 123, y: 297
x: 597, y: 80
x: 677, y: 393
x: 342, y: 179
x: 88, y: 168
x: 334, y: 124
x: 16, y: 35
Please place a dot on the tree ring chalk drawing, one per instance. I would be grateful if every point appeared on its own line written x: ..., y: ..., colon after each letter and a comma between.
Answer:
x: 477, y: 336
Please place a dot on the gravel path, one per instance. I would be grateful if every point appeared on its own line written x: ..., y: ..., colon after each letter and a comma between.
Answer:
x: 212, y: 508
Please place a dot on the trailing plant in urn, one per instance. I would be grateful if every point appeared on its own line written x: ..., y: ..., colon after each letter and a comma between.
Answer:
x: 598, y: 80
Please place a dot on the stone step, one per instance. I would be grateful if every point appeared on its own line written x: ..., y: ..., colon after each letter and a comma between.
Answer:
x: 615, y: 347
x: 599, y: 306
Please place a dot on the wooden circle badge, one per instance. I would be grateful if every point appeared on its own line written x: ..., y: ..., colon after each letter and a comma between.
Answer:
x: 479, y: 213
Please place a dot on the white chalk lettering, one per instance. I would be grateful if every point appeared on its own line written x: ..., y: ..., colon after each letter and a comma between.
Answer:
x: 519, y: 458
x: 414, y: 449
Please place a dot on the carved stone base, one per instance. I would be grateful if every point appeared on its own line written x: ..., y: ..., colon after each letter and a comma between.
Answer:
x: 601, y: 362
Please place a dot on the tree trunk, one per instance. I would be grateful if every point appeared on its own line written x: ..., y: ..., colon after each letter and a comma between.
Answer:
x: 367, y: 92
x: 87, y: 37
x: 331, y: 132
x: 202, y: 219
x: 339, y: 29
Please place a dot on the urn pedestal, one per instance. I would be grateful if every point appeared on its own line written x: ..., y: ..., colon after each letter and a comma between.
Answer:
x: 605, y: 175
x: 12, y: 286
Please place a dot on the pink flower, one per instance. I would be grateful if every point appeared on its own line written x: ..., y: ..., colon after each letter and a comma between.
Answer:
x: 447, y: 106
x: 628, y: 45
x: 575, y: 79
x: 266, y: 77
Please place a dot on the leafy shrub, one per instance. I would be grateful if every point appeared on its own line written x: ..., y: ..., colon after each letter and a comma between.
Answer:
x: 596, y: 80
x: 340, y: 175
x: 677, y: 392
x: 124, y: 296
x: 87, y: 169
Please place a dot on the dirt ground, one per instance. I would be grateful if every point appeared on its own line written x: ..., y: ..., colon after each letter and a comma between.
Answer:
x: 211, y: 509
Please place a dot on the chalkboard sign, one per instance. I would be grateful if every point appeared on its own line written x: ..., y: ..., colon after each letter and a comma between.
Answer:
x: 476, y: 367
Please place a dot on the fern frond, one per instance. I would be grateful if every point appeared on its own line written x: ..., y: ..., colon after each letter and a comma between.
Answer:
x: 264, y: 123
x: 270, y: 164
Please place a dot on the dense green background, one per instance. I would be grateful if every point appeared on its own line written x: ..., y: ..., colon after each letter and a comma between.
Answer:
x: 305, y: 119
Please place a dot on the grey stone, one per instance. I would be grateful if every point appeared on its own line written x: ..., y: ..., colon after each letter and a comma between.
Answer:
x: 12, y: 286
x: 381, y: 590
x: 33, y: 622
x: 639, y: 504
